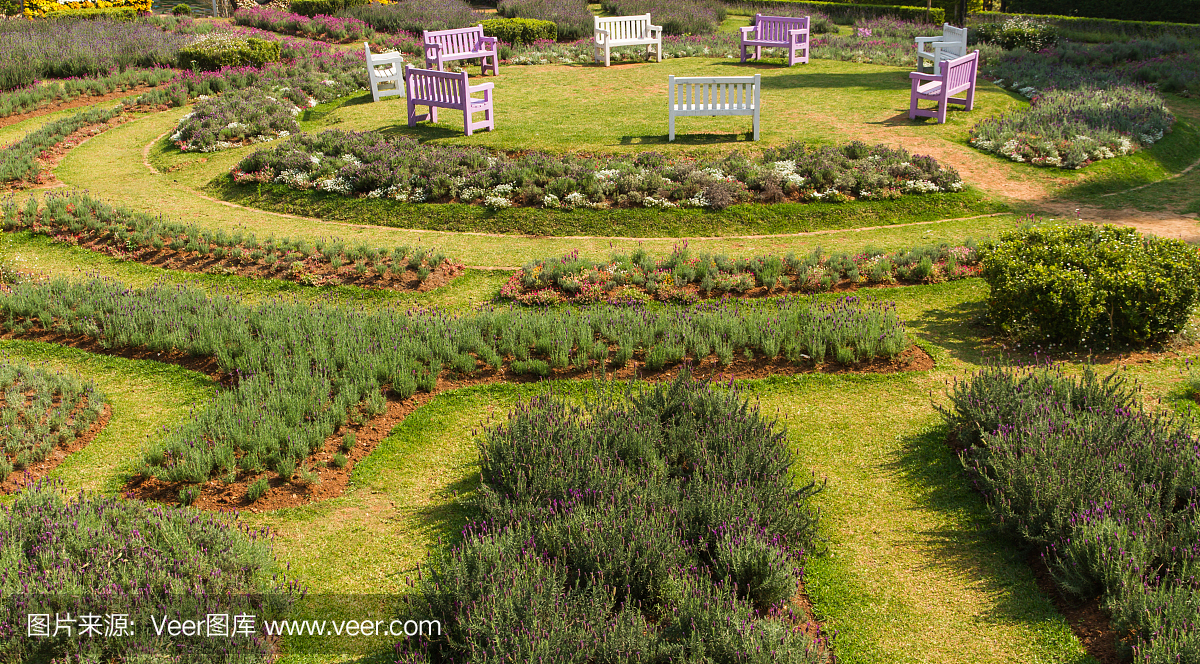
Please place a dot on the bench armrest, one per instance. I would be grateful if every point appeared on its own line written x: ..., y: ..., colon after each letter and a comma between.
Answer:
x: 654, y: 28
x: 481, y: 87
x: 489, y: 40
x: 748, y: 28
x: 602, y: 31
x: 928, y: 40
x: 922, y: 76
x: 431, y: 46
x: 798, y: 32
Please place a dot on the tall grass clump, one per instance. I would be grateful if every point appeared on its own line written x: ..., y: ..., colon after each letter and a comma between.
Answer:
x: 301, y: 370
x: 103, y: 556
x: 1107, y: 492
x: 573, y: 19
x: 41, y: 410
x: 416, y: 15
x: 657, y: 523
x: 682, y: 17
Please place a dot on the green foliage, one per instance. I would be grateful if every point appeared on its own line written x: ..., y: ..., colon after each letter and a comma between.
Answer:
x: 1105, y: 490
x: 1019, y: 32
x: 664, y: 520
x: 182, y: 9
x: 326, y: 7
x: 520, y: 30
x: 42, y: 410
x: 93, y: 13
x: 1179, y: 11
x: 10, y: 7
x: 1085, y: 283
x: 1115, y: 29
x: 19, y: 160
x: 221, y: 49
x: 847, y: 13
x: 257, y: 489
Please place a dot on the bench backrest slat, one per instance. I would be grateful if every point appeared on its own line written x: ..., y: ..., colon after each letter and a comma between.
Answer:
x: 624, y: 27
x: 729, y: 92
x: 775, y: 28
x: 459, y: 40
x: 960, y: 72
x: 441, y: 87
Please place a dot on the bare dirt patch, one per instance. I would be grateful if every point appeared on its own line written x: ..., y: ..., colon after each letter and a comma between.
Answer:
x: 1091, y: 624
x: 34, y: 472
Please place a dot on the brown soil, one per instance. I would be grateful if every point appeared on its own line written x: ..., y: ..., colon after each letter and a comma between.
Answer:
x: 50, y: 158
x: 82, y: 100
x: 20, y: 478
x: 1162, y: 224
x: 1091, y: 624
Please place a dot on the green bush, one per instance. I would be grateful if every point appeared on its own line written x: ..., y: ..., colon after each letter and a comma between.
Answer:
x: 1080, y: 283
x: 847, y: 13
x: 1113, y: 29
x: 520, y: 30
x: 1019, y: 32
x: 215, y: 50
x: 10, y: 7
x: 326, y: 7
x: 182, y: 10
x: 1181, y: 11
x: 106, y: 13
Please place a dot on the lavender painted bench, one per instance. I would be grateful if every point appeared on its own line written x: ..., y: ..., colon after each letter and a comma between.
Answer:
x: 613, y: 31
x: 386, y: 73
x: 712, y: 95
x: 952, y: 44
x: 958, y: 75
x: 441, y: 89
x: 777, y: 32
x: 442, y: 46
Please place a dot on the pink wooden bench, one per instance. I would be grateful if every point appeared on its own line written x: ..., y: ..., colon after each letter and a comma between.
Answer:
x: 957, y: 75
x: 442, y: 89
x: 777, y: 32
x: 442, y: 46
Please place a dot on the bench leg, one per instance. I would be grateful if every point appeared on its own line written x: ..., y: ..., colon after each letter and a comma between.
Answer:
x: 658, y: 50
x: 433, y: 114
x: 743, y: 53
x: 912, y: 103
x: 756, y: 123
x: 941, y: 110
x: 671, y: 128
x: 607, y: 56
x: 971, y: 97
x: 758, y: 53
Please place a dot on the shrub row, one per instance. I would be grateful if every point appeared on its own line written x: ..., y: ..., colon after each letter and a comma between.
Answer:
x: 41, y: 410
x: 1108, y: 493
x: 327, y: 28
x: 684, y: 277
x: 677, y: 17
x: 376, y: 166
x: 661, y: 524
x: 23, y: 100
x: 323, y: 7
x: 520, y: 30
x: 51, y: 8
x: 1083, y: 283
x: 844, y: 12
x: 1183, y: 11
x: 215, y: 50
x: 19, y: 160
x: 1112, y: 29
x: 304, y: 370
x: 573, y: 20
x: 102, y: 556
x: 77, y: 217
x: 414, y: 17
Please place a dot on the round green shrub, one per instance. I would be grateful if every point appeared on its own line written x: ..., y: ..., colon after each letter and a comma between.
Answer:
x: 181, y: 10
x: 1082, y: 283
x: 520, y: 30
x: 221, y: 49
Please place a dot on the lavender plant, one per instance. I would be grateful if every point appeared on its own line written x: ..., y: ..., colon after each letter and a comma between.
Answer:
x: 658, y: 524
x: 301, y: 369
x: 100, y: 556
x: 239, y: 117
x: 573, y: 19
x: 1109, y: 493
x: 376, y: 166
x: 689, y: 17
x: 416, y: 15
x: 335, y: 29
x: 23, y: 100
x: 41, y: 410
x: 18, y: 162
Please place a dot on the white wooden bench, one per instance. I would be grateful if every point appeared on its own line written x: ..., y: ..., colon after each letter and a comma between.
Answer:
x: 713, y: 95
x: 614, y: 31
x: 385, y: 72
x: 952, y: 44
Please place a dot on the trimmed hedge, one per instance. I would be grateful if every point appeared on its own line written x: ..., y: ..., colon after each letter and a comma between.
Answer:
x: 520, y: 30
x: 36, y: 8
x: 1083, y: 283
x: 1083, y: 24
x: 107, y: 13
x: 311, y: 8
x: 216, y: 50
x: 848, y: 12
x: 1178, y: 11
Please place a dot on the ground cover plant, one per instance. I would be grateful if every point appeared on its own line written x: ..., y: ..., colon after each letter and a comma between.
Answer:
x: 1105, y: 491
x: 74, y: 555
x: 79, y: 219
x: 303, y: 371
x: 46, y: 93
x: 336, y: 29
x: 35, y: 50
x: 42, y: 410
x: 573, y: 19
x: 237, y: 118
x: 660, y: 524
x: 684, y: 276
x: 1081, y: 284
x: 372, y: 165
x: 414, y: 16
x: 881, y: 40
x: 686, y: 17
x: 19, y: 161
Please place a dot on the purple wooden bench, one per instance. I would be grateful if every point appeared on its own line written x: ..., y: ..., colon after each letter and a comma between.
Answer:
x: 777, y: 32
x: 957, y: 75
x: 442, y: 46
x: 442, y: 89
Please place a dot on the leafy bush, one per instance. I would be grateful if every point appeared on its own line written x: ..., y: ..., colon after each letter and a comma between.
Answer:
x: 1183, y: 11
x: 41, y: 410
x: 663, y: 521
x: 213, y: 51
x: 374, y: 165
x: 1105, y: 490
x: 417, y: 15
x: 325, y: 7
x: 520, y: 30
x: 182, y: 9
x: 1112, y: 30
x: 844, y: 13
x: 92, y: 13
x: 249, y: 115
x: 573, y: 19
x: 1083, y: 283
x: 115, y: 556
x: 36, y: 8
x: 1018, y: 32
x: 298, y: 385
x: 678, y: 17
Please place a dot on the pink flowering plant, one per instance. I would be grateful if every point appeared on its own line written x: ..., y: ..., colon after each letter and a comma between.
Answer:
x: 336, y: 29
